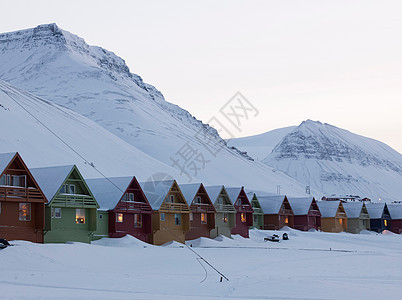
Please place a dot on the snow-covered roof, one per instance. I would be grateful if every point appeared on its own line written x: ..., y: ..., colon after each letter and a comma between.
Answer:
x: 353, y: 209
x: 328, y: 209
x: 300, y: 205
x: 106, y: 193
x: 5, y: 159
x: 375, y: 210
x: 271, y: 204
x: 189, y: 191
x: 214, y: 192
x: 156, y: 191
x: 50, y: 179
x: 233, y: 193
x: 395, y: 210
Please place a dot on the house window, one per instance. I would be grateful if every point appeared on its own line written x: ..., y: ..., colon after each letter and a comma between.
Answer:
x: 137, y: 221
x: 100, y: 217
x: 385, y: 222
x: 220, y: 201
x: 203, y: 218
x: 191, y: 216
x: 72, y: 189
x: 131, y: 197
x: 177, y: 219
x: 243, y: 217
x: 170, y: 199
x: 56, y: 212
x: 67, y: 189
x: 162, y: 216
x: 18, y: 180
x: 119, y: 217
x: 286, y: 220
x: 340, y: 221
x: 197, y: 200
x: 80, y: 216
x: 255, y: 218
x: 238, y: 201
x: 225, y: 218
x: 25, y: 212
x: 3, y: 179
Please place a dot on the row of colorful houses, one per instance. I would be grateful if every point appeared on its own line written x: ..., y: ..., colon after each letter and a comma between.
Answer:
x: 56, y: 205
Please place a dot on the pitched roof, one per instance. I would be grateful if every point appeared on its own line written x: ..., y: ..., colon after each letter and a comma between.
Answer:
x: 395, y: 210
x: 50, y: 179
x: 353, y: 209
x: 156, y: 191
x: 5, y: 159
x: 271, y: 204
x: 300, y: 205
x: 189, y: 191
x: 375, y: 210
x: 108, y: 194
x: 214, y: 192
x: 233, y: 193
x: 328, y: 209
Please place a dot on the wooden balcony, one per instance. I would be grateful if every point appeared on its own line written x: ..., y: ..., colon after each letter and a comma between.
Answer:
x: 20, y: 194
x: 74, y: 200
x: 202, y: 208
x: 174, y: 207
x: 225, y: 208
x: 135, y: 207
x: 244, y: 208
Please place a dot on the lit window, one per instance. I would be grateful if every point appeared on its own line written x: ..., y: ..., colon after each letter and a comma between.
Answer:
x: 286, y: 220
x: 340, y: 221
x: 25, y: 211
x: 56, y: 212
x: 119, y: 217
x: 137, y: 221
x: 131, y: 197
x: 203, y: 218
x: 191, y: 216
x: 80, y: 216
x: 385, y: 222
x: 177, y: 219
x: 225, y: 218
x: 243, y: 217
x: 162, y: 216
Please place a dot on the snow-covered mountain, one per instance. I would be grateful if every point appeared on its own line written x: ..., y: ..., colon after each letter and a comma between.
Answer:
x: 58, y: 66
x: 332, y: 160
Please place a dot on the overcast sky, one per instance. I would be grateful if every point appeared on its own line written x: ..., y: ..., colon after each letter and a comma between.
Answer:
x: 339, y: 62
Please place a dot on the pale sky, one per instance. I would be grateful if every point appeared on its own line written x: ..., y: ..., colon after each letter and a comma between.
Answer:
x: 339, y: 62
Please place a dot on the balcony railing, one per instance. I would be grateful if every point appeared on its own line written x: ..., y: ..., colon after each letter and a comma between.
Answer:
x: 202, y: 207
x: 224, y: 208
x: 175, y: 207
x: 73, y: 200
x: 14, y: 193
x: 135, y: 206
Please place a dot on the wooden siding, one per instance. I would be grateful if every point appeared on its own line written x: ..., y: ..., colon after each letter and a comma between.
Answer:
x: 11, y: 228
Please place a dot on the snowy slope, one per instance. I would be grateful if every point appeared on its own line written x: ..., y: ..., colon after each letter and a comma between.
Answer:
x: 61, y: 67
x: 39, y: 147
x: 336, y: 161
x: 260, y: 145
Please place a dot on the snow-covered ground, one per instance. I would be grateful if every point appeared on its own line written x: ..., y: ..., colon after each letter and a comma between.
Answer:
x: 311, y: 265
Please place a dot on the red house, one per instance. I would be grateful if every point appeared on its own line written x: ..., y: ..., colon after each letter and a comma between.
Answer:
x: 306, y: 213
x: 22, y: 202
x: 128, y: 209
x: 244, y: 211
x: 202, y: 211
x: 395, y: 211
x: 277, y: 212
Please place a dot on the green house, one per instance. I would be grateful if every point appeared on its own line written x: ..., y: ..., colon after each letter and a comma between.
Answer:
x: 71, y: 212
x: 258, y: 215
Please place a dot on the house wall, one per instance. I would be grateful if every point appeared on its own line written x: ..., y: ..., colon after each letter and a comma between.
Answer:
x: 271, y: 222
x: 102, y: 229
x: 396, y: 226
x: 221, y: 227
x: 258, y: 221
x: 242, y: 227
x: 65, y: 229
x: 11, y: 228
x: 378, y: 224
x: 197, y: 229
x: 120, y: 229
x: 333, y: 224
x: 355, y: 225
x: 167, y: 231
